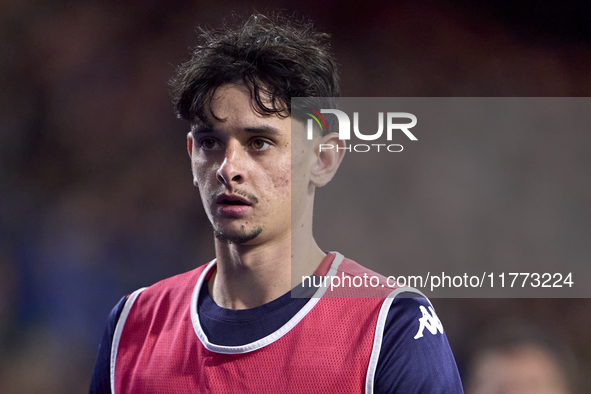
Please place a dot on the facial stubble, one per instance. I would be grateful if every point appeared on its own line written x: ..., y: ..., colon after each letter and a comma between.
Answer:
x: 238, y: 236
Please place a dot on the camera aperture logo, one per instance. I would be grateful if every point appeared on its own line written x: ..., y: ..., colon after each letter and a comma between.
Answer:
x: 392, y: 125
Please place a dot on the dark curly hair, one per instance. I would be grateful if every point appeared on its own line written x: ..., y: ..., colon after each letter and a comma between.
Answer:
x: 278, y: 56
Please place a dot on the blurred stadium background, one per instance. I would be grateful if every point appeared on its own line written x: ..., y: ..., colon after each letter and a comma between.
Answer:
x: 96, y: 197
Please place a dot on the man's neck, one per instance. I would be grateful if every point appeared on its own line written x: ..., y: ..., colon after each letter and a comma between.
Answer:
x: 248, y: 276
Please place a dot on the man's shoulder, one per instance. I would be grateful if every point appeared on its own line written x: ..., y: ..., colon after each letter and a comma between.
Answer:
x: 353, y: 268
x: 167, y: 299
x: 363, y: 282
x: 180, y: 283
x: 414, y: 344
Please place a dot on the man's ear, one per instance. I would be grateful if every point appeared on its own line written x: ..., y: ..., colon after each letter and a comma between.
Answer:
x: 190, y: 144
x: 329, y: 153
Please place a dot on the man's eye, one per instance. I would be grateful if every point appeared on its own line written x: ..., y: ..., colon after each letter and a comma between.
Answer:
x: 260, y: 144
x: 208, y: 144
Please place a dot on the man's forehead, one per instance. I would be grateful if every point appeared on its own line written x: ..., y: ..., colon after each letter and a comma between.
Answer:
x: 233, y: 96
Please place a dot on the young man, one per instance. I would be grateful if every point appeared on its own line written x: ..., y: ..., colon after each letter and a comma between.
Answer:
x: 232, y: 326
x: 520, y: 357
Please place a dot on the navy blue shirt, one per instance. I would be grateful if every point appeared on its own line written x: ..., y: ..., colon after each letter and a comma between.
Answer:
x: 408, y: 363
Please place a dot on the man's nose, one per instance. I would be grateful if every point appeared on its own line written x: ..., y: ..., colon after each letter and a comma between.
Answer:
x: 232, y: 168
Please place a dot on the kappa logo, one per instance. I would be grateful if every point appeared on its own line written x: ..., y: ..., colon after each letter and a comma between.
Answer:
x: 430, y: 321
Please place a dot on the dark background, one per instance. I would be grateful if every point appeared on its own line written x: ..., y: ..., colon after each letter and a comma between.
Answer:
x: 96, y: 198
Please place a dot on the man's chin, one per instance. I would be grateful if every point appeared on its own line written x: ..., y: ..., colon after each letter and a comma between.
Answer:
x: 237, y: 237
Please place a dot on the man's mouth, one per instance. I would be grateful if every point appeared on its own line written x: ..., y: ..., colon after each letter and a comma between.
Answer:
x: 232, y: 202
x: 232, y: 205
x: 226, y: 199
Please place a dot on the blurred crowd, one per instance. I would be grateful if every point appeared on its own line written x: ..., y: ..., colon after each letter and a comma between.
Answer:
x: 96, y: 195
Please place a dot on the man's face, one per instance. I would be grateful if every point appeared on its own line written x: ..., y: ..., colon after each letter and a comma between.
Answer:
x: 242, y: 166
x: 520, y: 370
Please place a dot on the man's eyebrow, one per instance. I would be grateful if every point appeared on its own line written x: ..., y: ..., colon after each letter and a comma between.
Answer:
x: 201, y: 128
x: 262, y: 129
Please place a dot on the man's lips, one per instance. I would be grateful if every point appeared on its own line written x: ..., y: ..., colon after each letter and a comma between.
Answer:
x: 232, y: 205
x: 232, y: 199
